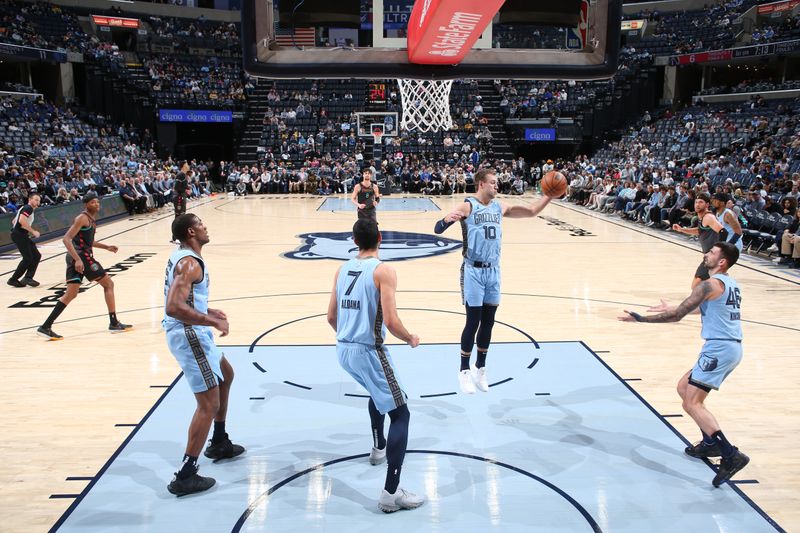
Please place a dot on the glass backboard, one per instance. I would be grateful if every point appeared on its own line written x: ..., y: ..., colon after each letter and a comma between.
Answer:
x: 526, y: 39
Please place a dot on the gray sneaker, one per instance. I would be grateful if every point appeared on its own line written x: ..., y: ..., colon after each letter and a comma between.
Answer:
x: 377, y: 456
x: 401, y: 499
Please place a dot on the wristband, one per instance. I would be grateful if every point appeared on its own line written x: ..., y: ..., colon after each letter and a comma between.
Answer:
x: 441, y: 225
x: 735, y: 238
x: 636, y: 316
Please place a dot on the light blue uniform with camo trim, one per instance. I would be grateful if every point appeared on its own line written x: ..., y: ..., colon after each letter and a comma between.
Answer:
x: 722, y: 331
x: 482, y: 232
x: 360, y: 333
x: 721, y: 218
x: 193, y: 346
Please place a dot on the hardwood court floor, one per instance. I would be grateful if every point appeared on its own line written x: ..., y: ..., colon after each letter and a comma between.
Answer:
x: 566, y: 276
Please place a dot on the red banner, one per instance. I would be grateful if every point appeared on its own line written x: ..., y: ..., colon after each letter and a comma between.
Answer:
x: 703, y: 57
x: 442, y: 32
x: 778, y: 7
x: 117, y: 22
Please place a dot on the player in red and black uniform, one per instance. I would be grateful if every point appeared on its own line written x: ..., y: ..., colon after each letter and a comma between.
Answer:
x: 21, y: 233
x: 81, y: 263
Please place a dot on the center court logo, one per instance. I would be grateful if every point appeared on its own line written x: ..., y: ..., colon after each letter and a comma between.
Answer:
x: 395, y: 246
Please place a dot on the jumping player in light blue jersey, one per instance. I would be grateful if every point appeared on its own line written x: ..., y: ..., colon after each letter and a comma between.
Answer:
x: 188, y: 322
x: 728, y: 220
x: 719, y: 301
x: 481, y: 220
x: 362, y: 303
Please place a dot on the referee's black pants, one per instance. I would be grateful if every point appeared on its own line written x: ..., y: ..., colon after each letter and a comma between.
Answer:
x: 30, y: 255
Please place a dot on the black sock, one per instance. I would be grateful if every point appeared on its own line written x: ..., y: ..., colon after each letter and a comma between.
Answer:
x: 465, y: 361
x: 57, y: 310
x: 376, y: 420
x: 481, y: 362
x: 113, y: 318
x: 219, y: 432
x: 707, y: 439
x: 188, y: 468
x: 725, y: 447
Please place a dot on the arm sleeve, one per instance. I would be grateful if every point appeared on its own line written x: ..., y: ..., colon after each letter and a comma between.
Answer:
x: 441, y: 225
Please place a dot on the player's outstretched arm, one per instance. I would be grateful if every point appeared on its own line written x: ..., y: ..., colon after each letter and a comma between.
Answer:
x: 386, y: 281
x: 702, y: 292
x: 187, y: 272
x: 526, y: 211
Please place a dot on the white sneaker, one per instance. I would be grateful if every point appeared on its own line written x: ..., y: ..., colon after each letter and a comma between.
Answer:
x: 377, y: 456
x: 773, y: 248
x: 402, y: 499
x: 479, y: 378
x: 465, y: 381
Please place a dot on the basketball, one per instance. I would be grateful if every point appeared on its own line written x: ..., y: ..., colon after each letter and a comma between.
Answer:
x: 554, y: 184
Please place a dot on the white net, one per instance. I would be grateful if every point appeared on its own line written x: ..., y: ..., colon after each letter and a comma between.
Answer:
x: 426, y: 105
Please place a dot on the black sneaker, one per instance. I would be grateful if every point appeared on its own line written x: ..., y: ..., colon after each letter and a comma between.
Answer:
x: 728, y: 467
x: 48, y: 334
x: 15, y: 283
x: 119, y: 327
x: 30, y: 282
x: 223, y: 449
x: 701, y: 450
x: 190, y: 485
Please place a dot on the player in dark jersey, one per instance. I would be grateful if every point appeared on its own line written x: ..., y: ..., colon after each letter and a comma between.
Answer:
x: 707, y: 231
x: 80, y: 244
x: 366, y: 196
x: 21, y: 233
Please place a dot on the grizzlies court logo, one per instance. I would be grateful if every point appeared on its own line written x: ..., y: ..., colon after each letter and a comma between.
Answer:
x: 395, y: 246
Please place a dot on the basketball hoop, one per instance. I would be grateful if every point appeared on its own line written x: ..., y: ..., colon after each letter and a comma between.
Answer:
x: 426, y: 105
x: 376, y: 136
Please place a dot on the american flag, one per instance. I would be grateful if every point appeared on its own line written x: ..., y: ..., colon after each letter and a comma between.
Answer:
x: 302, y: 36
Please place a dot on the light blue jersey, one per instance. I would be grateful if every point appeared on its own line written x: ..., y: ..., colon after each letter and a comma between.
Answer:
x: 359, y: 318
x: 721, y: 317
x: 729, y: 228
x: 480, y: 273
x: 722, y: 331
x: 193, y: 346
x: 482, y: 232
x: 198, y: 297
x: 360, y: 333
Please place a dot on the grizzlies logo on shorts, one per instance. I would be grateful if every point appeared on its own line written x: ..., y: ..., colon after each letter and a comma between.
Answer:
x: 707, y: 363
x: 717, y: 359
